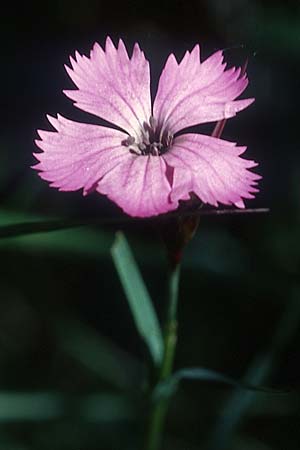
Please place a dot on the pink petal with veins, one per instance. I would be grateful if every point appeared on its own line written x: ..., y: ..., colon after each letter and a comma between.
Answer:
x: 191, y: 92
x: 77, y: 155
x: 113, y: 86
x: 211, y: 168
x: 139, y: 186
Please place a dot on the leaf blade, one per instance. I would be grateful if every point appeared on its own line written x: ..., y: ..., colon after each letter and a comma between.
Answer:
x: 139, y: 300
x: 169, y: 386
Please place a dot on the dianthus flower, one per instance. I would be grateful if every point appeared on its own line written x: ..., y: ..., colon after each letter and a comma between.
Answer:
x: 146, y: 166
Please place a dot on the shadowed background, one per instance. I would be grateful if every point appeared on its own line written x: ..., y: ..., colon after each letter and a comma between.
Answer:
x: 71, y: 362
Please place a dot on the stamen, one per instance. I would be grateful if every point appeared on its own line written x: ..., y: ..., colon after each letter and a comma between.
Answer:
x: 142, y: 146
x: 146, y: 126
x: 153, y: 140
x: 128, y: 141
x: 153, y: 123
x: 154, y: 150
x: 135, y: 151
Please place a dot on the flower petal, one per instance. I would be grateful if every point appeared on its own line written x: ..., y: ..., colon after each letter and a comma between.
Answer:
x: 211, y: 168
x: 192, y: 92
x: 78, y: 154
x: 139, y: 186
x: 113, y: 86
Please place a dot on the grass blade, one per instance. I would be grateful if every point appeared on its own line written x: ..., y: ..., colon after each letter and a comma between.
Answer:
x: 169, y: 386
x: 138, y: 297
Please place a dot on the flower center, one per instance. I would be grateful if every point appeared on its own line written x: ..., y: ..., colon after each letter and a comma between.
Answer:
x: 153, y: 140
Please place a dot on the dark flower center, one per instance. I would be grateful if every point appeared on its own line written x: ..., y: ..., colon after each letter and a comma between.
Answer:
x: 153, y: 140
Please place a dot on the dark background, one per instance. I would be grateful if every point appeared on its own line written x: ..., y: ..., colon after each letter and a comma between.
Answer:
x: 71, y: 362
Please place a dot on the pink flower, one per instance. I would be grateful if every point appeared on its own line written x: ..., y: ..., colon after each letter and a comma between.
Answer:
x: 145, y: 166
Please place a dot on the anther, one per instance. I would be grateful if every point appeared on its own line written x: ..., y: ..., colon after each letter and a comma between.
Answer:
x: 142, y: 146
x: 128, y: 141
x: 153, y: 123
x: 146, y: 126
x: 135, y: 151
x: 153, y: 140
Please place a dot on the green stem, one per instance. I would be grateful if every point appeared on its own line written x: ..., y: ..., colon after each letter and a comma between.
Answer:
x: 160, y: 407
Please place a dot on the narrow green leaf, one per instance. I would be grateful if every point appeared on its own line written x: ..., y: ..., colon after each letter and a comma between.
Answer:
x: 44, y: 406
x: 169, y: 386
x: 36, y: 406
x: 40, y: 226
x: 27, y: 225
x: 138, y: 297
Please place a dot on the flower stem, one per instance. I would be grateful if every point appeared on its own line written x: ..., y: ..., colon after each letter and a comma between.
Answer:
x: 160, y: 407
